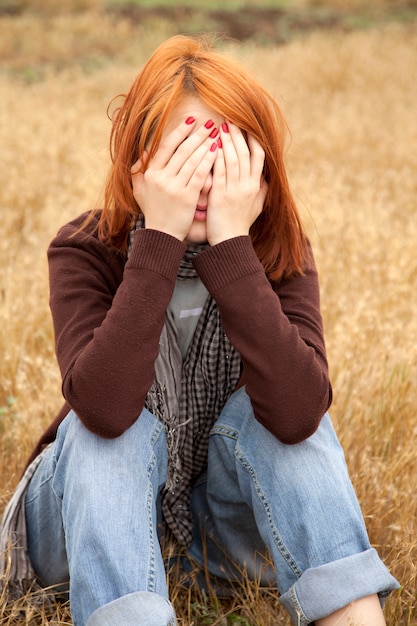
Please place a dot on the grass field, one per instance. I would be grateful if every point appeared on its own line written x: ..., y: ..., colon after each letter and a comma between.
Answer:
x: 350, y: 98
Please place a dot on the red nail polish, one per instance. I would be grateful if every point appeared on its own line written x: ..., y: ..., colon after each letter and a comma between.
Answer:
x: 190, y: 120
x: 219, y: 143
x: 214, y: 133
x: 209, y: 124
x: 213, y: 146
x: 225, y: 127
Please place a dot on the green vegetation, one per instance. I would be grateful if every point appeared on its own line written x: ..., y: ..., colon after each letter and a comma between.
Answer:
x: 202, y: 5
x: 40, y: 36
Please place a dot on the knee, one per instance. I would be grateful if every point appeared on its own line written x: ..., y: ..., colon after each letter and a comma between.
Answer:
x: 88, y: 459
x: 237, y: 412
x: 236, y: 437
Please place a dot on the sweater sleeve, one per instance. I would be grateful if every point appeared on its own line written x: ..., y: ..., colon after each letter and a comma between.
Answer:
x: 108, y: 317
x: 278, y: 332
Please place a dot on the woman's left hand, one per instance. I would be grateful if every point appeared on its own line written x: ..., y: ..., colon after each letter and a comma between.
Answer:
x: 238, y: 191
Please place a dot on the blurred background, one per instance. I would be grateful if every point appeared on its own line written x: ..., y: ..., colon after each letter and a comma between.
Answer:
x: 345, y: 75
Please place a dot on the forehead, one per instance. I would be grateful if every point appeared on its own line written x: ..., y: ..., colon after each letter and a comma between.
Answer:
x: 195, y: 107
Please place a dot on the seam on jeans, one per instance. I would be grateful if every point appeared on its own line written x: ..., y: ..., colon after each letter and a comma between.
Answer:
x: 155, y: 435
x: 151, y: 583
x: 286, y: 555
x: 225, y: 431
x: 302, y: 619
x: 173, y: 621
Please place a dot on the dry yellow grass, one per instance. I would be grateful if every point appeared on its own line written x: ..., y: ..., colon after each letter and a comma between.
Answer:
x: 350, y: 101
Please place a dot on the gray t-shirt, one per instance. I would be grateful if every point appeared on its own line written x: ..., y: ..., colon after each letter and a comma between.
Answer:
x: 186, y: 305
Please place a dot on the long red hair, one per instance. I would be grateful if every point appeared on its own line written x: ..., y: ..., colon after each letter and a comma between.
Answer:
x: 184, y: 66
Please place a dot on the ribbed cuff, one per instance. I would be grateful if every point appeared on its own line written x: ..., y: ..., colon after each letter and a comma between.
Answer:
x: 227, y: 262
x: 156, y: 251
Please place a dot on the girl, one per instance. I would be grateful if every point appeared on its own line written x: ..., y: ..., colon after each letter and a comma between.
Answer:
x: 190, y: 341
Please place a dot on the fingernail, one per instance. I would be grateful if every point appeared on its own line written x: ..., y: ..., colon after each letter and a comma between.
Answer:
x: 219, y: 142
x: 190, y: 120
x: 209, y: 124
x: 213, y: 146
x: 225, y: 127
x: 214, y: 133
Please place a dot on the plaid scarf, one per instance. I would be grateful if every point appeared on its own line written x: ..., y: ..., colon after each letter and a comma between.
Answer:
x: 188, y: 396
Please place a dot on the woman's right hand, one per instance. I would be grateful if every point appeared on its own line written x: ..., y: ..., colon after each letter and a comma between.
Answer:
x: 167, y: 186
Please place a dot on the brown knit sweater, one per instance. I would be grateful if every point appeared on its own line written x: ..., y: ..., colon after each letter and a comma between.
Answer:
x: 108, y: 314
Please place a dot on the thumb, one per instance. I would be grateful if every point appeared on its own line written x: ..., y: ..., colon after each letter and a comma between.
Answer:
x: 140, y: 163
x: 263, y: 190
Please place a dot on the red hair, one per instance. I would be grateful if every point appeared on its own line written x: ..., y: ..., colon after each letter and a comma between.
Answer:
x: 184, y: 66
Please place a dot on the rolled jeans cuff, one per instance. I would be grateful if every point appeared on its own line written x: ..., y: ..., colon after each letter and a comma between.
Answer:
x: 142, y: 608
x: 320, y: 591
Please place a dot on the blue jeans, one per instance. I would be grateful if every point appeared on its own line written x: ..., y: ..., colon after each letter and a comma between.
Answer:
x: 91, y: 512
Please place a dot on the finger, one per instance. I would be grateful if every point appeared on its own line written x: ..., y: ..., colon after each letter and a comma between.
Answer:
x: 199, y: 173
x: 194, y: 146
x: 137, y: 176
x: 175, y: 148
x: 219, y: 167
x: 257, y: 158
x: 263, y: 191
x: 242, y: 149
x: 202, y: 157
x: 230, y: 156
x: 170, y: 142
x: 140, y: 163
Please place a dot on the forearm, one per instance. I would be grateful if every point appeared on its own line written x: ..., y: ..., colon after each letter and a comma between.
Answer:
x: 283, y: 356
x: 107, y: 342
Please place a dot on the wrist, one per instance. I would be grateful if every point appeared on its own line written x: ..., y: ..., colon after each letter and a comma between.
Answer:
x: 165, y: 231
x: 214, y: 241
